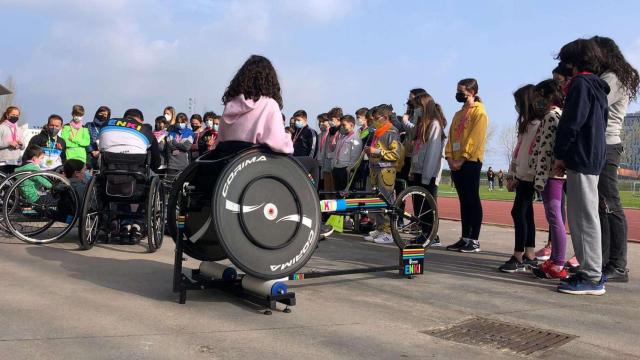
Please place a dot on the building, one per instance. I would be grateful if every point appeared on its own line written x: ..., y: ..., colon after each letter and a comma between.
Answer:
x: 631, y: 141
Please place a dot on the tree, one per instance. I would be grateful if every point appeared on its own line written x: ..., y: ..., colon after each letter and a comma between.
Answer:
x: 508, y: 141
x: 7, y: 100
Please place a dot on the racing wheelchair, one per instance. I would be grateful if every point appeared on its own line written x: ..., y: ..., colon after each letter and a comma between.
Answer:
x: 38, y: 207
x: 122, y: 180
x: 260, y: 210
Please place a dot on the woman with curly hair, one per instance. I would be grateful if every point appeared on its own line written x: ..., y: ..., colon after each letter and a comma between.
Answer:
x: 624, y: 82
x: 252, y: 107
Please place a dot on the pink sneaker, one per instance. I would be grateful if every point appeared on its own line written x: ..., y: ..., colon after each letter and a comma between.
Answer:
x: 573, y: 262
x: 543, y: 254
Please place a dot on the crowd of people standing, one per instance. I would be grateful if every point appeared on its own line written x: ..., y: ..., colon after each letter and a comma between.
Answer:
x: 568, y: 131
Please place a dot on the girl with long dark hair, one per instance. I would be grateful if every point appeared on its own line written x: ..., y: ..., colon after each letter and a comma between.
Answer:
x: 624, y: 82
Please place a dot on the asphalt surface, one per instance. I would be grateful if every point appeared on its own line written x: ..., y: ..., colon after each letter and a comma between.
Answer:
x: 115, y: 302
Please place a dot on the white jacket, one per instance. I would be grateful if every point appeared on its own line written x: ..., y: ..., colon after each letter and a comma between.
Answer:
x: 521, y: 168
x: 347, y: 151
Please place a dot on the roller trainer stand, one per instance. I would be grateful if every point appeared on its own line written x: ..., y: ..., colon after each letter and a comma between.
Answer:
x: 197, y: 281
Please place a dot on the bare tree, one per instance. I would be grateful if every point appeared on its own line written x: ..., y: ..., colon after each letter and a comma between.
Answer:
x: 7, y: 100
x: 508, y: 141
x: 631, y: 142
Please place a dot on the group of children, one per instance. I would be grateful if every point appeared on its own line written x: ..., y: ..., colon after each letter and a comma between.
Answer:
x: 569, y: 144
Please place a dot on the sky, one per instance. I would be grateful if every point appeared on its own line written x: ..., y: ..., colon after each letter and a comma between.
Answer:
x: 350, y: 53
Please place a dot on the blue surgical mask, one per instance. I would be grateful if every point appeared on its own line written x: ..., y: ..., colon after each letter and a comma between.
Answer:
x: 216, y: 127
x: 182, y: 126
x: 299, y: 124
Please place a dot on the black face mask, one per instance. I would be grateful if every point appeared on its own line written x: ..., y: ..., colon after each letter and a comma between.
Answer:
x: 13, y: 119
x: 100, y: 120
x: 461, y: 97
x: 195, y: 127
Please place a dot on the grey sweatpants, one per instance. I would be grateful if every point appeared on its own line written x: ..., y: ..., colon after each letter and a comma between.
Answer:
x: 584, y: 222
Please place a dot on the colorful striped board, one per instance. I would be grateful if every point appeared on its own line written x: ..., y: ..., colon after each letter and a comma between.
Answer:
x: 338, y: 205
x: 412, y: 260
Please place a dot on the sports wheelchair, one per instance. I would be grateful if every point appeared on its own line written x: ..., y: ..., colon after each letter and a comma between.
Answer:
x: 38, y: 207
x: 121, y: 181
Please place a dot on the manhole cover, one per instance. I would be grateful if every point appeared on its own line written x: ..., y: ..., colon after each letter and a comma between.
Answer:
x: 501, y: 336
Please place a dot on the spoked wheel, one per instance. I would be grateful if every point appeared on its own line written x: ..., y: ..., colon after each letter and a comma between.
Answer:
x: 90, y: 216
x: 155, y: 215
x: 43, y: 217
x: 5, y: 183
x: 415, y: 218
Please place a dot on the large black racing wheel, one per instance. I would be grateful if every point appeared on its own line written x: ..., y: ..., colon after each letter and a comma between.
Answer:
x: 90, y: 216
x: 415, y: 213
x: 266, y: 213
x: 155, y: 214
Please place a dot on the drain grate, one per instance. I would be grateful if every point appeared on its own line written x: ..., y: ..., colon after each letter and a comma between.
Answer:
x: 501, y: 336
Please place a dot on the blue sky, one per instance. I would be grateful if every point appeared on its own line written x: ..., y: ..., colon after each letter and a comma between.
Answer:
x: 349, y: 53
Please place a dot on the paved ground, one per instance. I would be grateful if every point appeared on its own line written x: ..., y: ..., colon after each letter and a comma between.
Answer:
x: 115, y: 302
x: 499, y: 212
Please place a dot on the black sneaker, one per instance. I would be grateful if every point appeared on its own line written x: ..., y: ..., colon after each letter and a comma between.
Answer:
x: 614, y: 274
x: 512, y: 265
x: 471, y: 246
x: 135, y: 235
x: 325, y: 231
x: 457, y: 246
x: 529, y: 263
x: 123, y: 235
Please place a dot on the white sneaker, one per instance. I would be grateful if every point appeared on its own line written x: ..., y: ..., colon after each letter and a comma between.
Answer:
x: 368, y: 238
x: 375, y: 233
x: 384, y: 239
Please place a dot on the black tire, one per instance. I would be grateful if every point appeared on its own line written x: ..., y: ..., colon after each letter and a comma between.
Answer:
x: 266, y: 214
x: 90, y: 217
x: 5, y: 184
x: 401, y: 219
x: 13, y: 196
x: 155, y: 215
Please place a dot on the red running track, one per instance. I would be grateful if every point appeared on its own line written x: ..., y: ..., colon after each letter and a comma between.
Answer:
x: 499, y: 213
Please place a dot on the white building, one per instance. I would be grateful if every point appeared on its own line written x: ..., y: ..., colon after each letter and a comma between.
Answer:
x: 631, y: 142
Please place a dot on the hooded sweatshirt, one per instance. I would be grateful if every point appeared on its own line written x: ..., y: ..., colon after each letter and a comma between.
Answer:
x: 178, y: 147
x: 580, y: 139
x: 77, y: 141
x: 618, y: 100
x: 257, y: 122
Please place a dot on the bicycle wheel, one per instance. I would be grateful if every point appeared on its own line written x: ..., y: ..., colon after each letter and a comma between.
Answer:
x: 44, y: 217
x: 90, y: 216
x: 155, y: 215
x: 415, y: 213
x: 5, y: 184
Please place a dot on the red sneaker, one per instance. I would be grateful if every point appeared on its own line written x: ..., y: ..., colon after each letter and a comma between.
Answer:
x: 548, y: 271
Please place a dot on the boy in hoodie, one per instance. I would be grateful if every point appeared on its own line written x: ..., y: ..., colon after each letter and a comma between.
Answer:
x: 383, y: 153
x: 580, y: 150
x: 52, y: 145
x: 347, y: 153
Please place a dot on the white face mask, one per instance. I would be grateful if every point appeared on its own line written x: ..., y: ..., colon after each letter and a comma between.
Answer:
x: 210, y: 123
x: 167, y: 116
x: 77, y: 118
x: 182, y: 125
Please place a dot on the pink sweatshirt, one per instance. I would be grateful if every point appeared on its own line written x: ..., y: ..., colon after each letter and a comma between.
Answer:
x: 258, y: 122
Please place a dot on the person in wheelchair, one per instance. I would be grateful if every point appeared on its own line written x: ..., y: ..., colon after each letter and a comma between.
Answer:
x: 54, y: 146
x: 30, y: 189
x: 125, y: 143
x: 252, y: 115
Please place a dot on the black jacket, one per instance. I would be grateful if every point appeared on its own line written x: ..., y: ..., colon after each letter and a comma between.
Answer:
x: 305, y: 142
x: 580, y: 138
x: 44, y: 140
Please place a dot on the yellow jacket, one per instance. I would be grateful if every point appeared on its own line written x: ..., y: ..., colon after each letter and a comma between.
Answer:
x: 471, y: 143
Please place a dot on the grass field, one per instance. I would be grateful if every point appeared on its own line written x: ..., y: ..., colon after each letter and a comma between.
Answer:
x: 628, y: 200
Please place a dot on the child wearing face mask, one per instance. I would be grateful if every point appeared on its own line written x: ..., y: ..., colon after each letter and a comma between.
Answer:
x: 160, y: 133
x: 208, y: 140
x: 11, y: 143
x: 348, y: 150
x: 304, y: 137
x: 465, y: 152
x: 178, y: 146
x: 76, y: 136
x: 365, y: 133
x: 100, y: 119
x: 29, y: 189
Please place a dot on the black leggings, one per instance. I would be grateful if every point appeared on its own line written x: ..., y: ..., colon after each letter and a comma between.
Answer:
x: 522, y: 214
x: 340, y: 178
x: 467, y: 182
